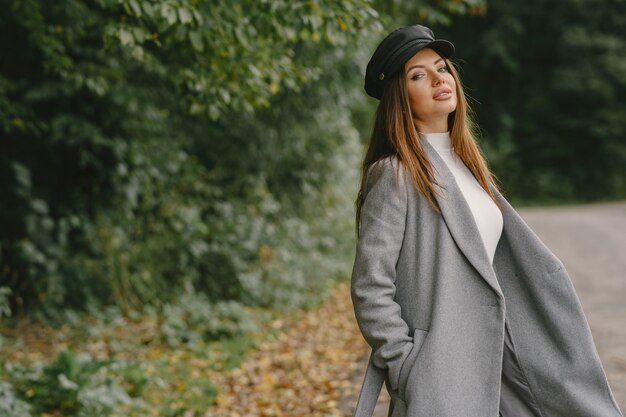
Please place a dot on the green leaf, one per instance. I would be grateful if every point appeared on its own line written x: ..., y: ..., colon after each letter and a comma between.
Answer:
x: 126, y: 37
x: 139, y: 34
x: 196, y: 40
x: 184, y: 16
x: 169, y: 13
x: 134, y: 4
x: 148, y: 9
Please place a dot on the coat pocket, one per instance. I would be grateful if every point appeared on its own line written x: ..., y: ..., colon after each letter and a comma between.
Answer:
x: 419, y: 336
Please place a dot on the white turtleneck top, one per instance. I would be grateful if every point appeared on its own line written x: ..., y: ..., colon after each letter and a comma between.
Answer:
x: 486, y: 213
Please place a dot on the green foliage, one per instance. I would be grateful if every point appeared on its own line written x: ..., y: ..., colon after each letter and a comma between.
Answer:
x: 432, y: 13
x: 234, y: 56
x: 133, y: 376
x: 124, y: 186
x: 10, y: 404
x: 234, y: 350
x: 75, y: 385
x: 549, y: 83
x: 5, y: 307
x: 190, y: 392
x: 194, y: 318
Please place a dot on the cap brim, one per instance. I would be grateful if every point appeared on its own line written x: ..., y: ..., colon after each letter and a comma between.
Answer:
x: 442, y: 46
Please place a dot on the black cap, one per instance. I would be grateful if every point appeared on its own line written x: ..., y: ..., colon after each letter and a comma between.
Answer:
x: 397, y: 48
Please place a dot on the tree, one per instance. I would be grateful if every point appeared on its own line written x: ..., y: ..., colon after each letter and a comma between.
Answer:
x: 153, y: 148
x: 548, y: 84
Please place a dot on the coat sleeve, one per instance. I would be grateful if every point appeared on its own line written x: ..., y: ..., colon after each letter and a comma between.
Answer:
x: 383, y: 218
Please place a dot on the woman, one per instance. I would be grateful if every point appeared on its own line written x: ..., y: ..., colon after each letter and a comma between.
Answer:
x: 467, y: 313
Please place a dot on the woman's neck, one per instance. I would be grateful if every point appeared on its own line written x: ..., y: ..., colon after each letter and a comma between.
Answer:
x: 438, y: 125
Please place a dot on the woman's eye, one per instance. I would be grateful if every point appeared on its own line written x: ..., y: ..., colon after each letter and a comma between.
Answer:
x: 443, y: 69
x: 416, y: 77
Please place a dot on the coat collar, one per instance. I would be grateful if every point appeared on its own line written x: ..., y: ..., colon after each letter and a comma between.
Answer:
x: 460, y: 220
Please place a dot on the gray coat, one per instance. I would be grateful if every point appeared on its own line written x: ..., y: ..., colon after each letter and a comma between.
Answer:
x: 432, y: 307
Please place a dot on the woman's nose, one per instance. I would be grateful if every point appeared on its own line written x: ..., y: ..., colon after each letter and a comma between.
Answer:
x: 438, y: 79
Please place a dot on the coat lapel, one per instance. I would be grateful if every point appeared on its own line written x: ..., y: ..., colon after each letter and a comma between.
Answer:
x: 460, y: 220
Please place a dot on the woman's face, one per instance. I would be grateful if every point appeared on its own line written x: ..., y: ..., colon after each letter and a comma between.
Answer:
x: 431, y: 89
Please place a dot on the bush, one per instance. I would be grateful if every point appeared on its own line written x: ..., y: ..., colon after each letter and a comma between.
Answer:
x: 194, y: 318
x: 74, y: 385
x: 10, y: 404
x: 132, y: 168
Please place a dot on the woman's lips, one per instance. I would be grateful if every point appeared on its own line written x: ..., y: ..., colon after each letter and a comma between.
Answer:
x: 442, y: 94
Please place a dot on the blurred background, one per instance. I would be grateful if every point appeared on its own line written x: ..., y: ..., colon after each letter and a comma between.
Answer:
x: 178, y: 176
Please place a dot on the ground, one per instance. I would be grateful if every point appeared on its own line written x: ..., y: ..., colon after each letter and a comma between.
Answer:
x: 316, y: 365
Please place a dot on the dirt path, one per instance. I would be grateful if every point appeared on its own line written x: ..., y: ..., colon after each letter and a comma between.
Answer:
x: 315, y: 365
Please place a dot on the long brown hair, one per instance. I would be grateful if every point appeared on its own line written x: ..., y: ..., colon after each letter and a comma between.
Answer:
x: 394, y: 134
